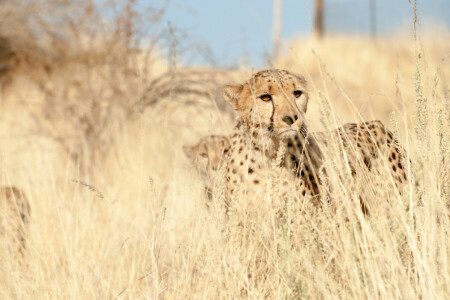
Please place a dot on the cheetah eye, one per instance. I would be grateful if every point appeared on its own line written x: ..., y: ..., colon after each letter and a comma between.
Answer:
x: 297, y: 93
x: 266, y: 97
x: 204, y: 155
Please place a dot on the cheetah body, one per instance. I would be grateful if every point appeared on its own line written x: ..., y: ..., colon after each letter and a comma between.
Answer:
x: 270, y: 109
x: 370, y: 149
x: 263, y: 127
x: 207, y: 155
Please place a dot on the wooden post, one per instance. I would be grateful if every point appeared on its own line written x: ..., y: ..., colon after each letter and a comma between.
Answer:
x: 276, y: 28
x: 318, y: 21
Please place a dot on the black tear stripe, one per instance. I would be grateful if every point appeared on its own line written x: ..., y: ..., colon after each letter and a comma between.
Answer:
x: 271, y: 117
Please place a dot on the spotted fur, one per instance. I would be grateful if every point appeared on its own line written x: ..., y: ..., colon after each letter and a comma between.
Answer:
x: 371, y: 147
x: 263, y: 125
x: 207, y: 155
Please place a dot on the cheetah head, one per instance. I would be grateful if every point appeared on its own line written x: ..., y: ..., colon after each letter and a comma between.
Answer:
x: 273, y: 100
x: 208, y: 154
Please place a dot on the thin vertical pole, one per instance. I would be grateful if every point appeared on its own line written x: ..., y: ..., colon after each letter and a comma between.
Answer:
x: 318, y: 21
x: 276, y: 28
x: 373, y: 18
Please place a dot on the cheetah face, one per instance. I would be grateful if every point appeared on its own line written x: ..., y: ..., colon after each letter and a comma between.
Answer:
x: 208, y: 154
x: 273, y: 100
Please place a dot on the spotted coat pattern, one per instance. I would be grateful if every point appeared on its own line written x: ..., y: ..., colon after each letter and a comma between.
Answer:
x: 207, y: 155
x: 270, y: 108
x: 371, y: 147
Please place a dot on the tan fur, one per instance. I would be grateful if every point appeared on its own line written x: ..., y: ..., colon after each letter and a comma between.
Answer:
x: 372, y: 147
x: 207, y: 156
x: 261, y: 128
x: 14, y: 215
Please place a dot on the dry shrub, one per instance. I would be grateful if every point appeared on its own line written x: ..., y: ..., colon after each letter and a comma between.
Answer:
x: 101, y: 65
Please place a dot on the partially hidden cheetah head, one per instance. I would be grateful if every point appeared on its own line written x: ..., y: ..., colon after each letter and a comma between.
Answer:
x: 208, y: 154
x: 273, y: 100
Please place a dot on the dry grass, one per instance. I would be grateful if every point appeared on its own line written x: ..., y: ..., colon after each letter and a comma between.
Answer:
x: 376, y: 74
x: 128, y: 220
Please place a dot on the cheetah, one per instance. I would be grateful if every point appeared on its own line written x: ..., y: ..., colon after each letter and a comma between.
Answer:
x: 270, y: 109
x: 14, y: 216
x: 371, y: 147
x: 207, y: 155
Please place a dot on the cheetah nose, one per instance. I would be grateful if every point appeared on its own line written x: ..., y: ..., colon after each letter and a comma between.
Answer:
x: 289, y: 120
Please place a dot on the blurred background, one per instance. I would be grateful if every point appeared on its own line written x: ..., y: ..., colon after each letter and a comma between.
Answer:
x: 242, y: 33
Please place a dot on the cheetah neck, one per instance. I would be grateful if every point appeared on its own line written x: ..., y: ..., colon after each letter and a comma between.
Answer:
x: 253, y: 153
x: 312, y: 152
x: 254, y: 139
x: 305, y: 149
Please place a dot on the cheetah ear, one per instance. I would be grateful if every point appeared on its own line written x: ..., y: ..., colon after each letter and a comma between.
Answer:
x: 301, y: 78
x: 304, y: 102
x: 224, y: 143
x: 305, y: 97
x: 188, y: 150
x: 231, y: 93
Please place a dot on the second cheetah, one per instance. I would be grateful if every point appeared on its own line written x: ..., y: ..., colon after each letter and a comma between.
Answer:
x: 371, y: 148
x: 207, y: 155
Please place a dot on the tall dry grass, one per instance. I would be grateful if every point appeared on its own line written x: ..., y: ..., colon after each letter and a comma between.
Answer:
x: 128, y: 220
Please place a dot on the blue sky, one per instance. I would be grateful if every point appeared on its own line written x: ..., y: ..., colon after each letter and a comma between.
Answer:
x: 240, y: 31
